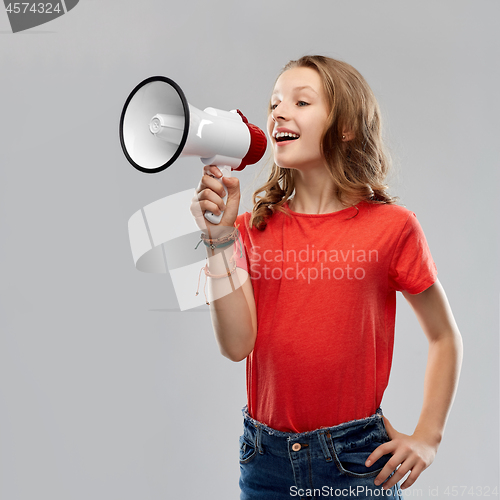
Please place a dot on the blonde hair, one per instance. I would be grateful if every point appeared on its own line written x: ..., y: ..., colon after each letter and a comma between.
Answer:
x: 358, y: 166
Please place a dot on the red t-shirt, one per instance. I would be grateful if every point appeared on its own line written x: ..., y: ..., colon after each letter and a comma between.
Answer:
x: 325, y: 291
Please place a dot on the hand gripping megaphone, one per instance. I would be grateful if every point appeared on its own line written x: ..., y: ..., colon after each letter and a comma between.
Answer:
x: 158, y: 125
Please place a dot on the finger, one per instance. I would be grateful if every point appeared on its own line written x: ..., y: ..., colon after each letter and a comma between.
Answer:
x: 399, y: 474
x: 209, y: 202
x: 212, y: 196
x: 208, y: 171
x: 414, y: 474
x: 380, y: 451
x: 209, y: 182
x: 212, y: 170
x: 211, y: 205
x: 389, y: 467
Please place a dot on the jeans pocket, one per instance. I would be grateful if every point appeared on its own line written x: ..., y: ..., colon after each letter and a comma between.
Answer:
x: 352, y: 462
x: 350, y: 456
x: 247, y: 450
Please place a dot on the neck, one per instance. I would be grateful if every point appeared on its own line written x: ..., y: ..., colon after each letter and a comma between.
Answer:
x: 315, y: 193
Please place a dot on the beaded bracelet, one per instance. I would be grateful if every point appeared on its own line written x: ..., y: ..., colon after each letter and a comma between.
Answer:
x: 213, y: 246
x: 221, y: 242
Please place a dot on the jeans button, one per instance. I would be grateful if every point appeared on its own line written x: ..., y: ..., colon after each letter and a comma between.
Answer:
x: 296, y: 447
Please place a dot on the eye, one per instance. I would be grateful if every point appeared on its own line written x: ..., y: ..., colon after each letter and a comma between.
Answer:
x: 302, y: 103
x: 274, y: 106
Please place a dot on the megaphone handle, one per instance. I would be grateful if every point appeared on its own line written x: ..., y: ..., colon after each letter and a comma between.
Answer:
x: 210, y: 216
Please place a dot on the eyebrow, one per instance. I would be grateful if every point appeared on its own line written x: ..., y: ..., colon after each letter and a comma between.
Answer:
x: 303, y: 87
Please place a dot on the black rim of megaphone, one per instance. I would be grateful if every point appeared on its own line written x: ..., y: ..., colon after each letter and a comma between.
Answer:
x: 186, y: 124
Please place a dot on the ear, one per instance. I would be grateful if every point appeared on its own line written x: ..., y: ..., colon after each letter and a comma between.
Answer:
x: 347, y: 135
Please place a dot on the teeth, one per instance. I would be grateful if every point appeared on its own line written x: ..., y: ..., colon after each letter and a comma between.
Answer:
x: 285, y: 134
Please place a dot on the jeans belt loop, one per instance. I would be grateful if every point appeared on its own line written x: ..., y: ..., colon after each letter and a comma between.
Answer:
x: 324, y: 446
x: 258, y: 440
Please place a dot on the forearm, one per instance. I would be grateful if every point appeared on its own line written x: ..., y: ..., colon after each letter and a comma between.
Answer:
x: 440, y: 384
x: 232, y: 305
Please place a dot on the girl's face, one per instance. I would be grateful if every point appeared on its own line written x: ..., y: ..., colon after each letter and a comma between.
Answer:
x: 298, y: 119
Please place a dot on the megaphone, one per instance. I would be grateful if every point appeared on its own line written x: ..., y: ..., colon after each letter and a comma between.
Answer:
x: 158, y: 126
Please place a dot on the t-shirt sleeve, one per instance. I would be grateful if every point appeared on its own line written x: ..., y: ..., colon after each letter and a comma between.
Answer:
x: 240, y: 245
x: 412, y: 267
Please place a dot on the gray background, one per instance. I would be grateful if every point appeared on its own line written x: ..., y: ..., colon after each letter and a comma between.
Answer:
x: 107, y: 390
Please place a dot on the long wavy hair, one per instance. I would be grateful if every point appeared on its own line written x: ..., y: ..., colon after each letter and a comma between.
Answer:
x: 358, y: 166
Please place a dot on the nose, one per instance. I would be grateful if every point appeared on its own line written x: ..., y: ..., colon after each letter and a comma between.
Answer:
x: 279, y: 112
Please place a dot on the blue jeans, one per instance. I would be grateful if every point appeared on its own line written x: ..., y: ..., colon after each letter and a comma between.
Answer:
x: 325, y: 463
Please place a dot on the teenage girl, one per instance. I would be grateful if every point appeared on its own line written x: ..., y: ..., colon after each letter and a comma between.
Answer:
x: 326, y: 249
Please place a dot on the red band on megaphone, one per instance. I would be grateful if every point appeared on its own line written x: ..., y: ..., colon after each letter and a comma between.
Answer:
x: 258, y: 144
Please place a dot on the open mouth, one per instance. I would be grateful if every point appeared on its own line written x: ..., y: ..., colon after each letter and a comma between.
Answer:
x: 286, y: 136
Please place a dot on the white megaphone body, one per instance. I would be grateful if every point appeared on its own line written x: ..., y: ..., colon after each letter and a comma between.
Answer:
x: 158, y: 125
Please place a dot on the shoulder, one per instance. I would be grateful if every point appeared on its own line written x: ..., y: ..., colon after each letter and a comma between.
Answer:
x: 389, y: 219
x: 385, y: 210
x: 243, y: 218
x: 271, y: 229
x: 386, y: 214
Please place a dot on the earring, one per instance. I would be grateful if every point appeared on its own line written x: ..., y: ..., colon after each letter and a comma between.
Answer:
x: 343, y: 137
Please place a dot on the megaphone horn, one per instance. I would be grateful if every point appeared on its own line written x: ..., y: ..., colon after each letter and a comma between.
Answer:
x: 158, y: 125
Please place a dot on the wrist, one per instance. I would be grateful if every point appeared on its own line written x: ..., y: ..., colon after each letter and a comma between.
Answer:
x: 432, y: 437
